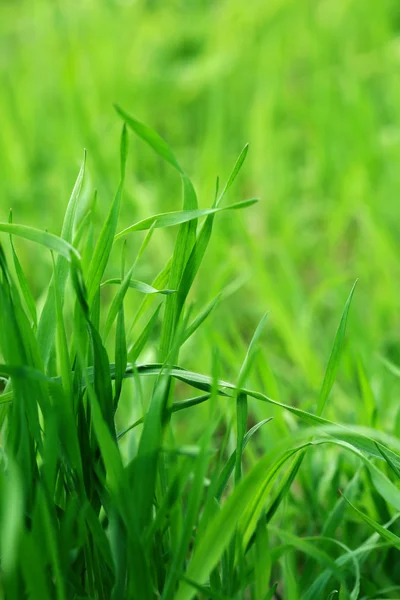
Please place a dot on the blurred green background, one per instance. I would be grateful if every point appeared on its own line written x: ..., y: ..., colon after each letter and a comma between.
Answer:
x: 312, y: 85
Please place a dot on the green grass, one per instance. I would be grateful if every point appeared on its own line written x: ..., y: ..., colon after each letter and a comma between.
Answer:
x: 160, y: 436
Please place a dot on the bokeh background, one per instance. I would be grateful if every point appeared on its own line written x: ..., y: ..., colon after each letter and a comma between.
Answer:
x: 312, y: 85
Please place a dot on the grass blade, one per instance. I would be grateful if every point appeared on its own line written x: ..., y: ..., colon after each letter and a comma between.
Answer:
x: 181, y: 216
x: 151, y: 137
x: 105, y: 242
x: 333, y: 364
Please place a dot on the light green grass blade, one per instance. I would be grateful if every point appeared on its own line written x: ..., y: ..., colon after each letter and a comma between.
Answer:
x: 184, y: 244
x: 251, y: 353
x: 159, y: 282
x: 62, y: 343
x: 230, y: 465
x: 199, y: 320
x: 23, y: 283
x: 333, y: 364
x: 235, y: 172
x: 241, y: 426
x: 46, y: 327
x: 121, y: 351
x: 106, y: 239
x: 151, y: 137
x: 43, y: 238
x: 140, y: 342
x: 183, y: 216
x: 140, y: 286
x: 117, y: 302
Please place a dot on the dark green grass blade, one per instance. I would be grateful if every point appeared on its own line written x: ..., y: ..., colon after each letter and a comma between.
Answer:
x: 271, y: 592
x: 385, y: 455
x: 146, y: 462
x: 382, y: 531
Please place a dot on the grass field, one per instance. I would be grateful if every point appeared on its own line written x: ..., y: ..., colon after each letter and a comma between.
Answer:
x: 202, y: 404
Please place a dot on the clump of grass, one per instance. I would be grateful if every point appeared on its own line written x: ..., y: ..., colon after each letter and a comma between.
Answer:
x: 91, y: 509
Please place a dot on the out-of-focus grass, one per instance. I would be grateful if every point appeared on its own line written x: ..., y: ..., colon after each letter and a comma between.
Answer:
x: 313, y: 87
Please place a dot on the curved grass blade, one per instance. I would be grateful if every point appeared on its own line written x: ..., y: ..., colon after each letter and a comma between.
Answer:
x: 151, y: 137
x: 182, y: 216
x: 43, y: 238
x: 382, y: 531
x: 140, y: 286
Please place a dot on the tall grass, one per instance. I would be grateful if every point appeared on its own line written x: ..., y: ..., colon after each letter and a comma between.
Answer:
x: 102, y: 493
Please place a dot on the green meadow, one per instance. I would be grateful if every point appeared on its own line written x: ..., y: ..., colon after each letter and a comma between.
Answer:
x: 199, y: 300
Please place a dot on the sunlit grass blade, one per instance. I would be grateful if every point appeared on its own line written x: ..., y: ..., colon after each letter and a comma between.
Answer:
x: 105, y: 242
x: 43, y: 238
x: 151, y: 137
x: 140, y: 286
x: 235, y: 172
x: 183, y: 216
x: 251, y: 353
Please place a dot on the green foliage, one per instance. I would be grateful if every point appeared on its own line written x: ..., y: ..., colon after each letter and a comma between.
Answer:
x: 139, y: 513
x: 152, y: 445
